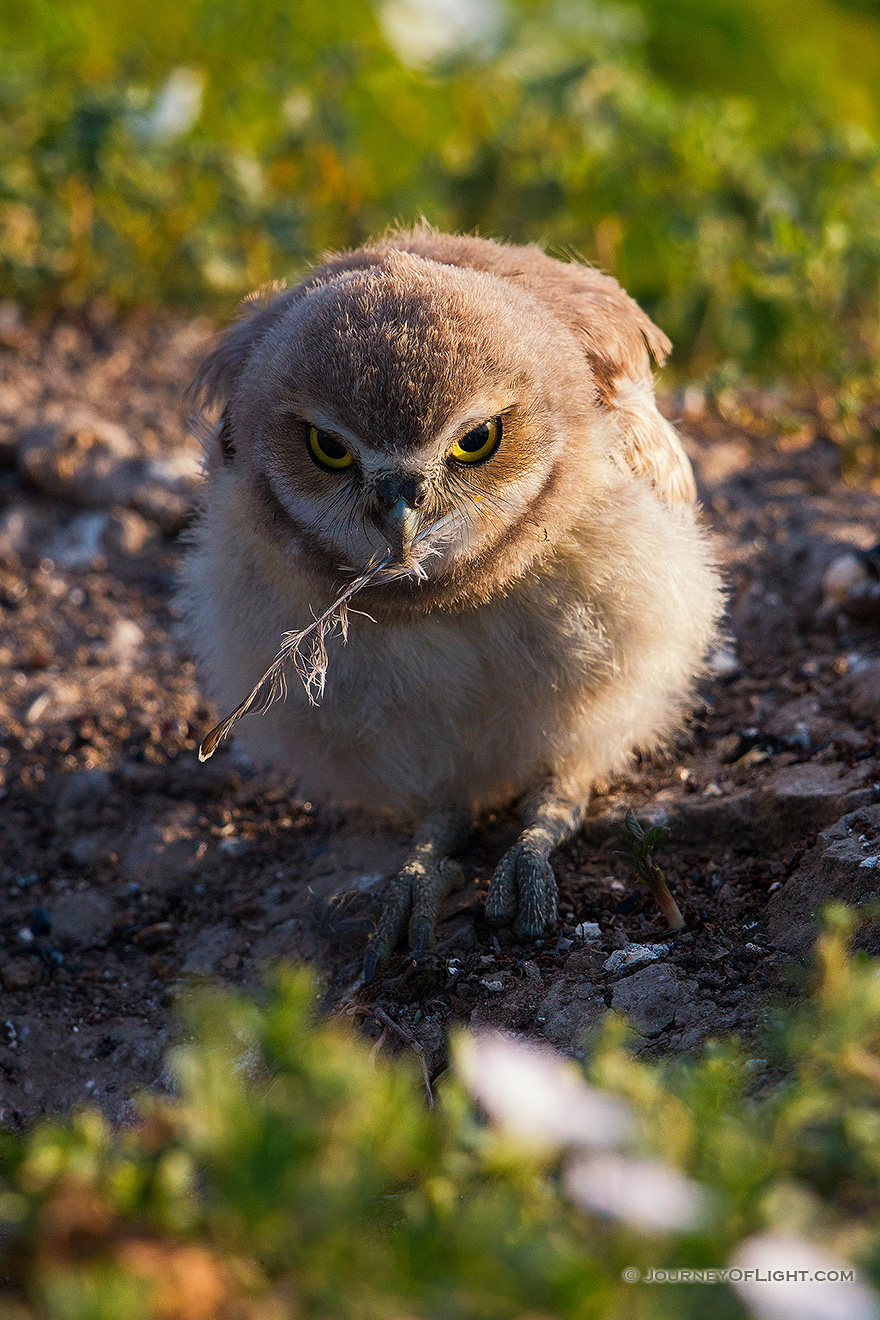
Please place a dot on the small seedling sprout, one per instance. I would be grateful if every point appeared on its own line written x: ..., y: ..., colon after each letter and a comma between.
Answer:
x: 640, y: 843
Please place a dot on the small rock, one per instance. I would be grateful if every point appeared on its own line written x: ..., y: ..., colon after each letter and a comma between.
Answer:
x: 569, y: 1011
x: 163, y: 854
x: 208, y: 947
x: 233, y: 846
x: 94, y: 463
x: 80, y: 916
x: 20, y: 974
x: 843, y: 865
x: 362, y: 883
x: 842, y: 575
x: 124, y: 641
x: 126, y: 533
x: 84, y: 788
x: 723, y: 662
x: 585, y: 963
x: 651, y: 997
x: 588, y: 930
x: 799, y: 724
x: 81, y: 543
x: 17, y: 533
x: 635, y: 955
x: 86, y: 460
x: 152, y: 936
x: 40, y: 922
x: 864, y: 688
x: 494, y: 987
x: 89, y: 849
x: 803, y: 798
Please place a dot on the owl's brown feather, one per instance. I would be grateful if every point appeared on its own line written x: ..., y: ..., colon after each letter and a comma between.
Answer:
x: 618, y: 339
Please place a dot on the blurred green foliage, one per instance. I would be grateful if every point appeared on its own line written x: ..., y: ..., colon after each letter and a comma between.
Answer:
x: 719, y: 156
x: 299, y: 1176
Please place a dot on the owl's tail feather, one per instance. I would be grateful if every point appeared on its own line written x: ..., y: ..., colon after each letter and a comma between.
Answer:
x: 311, y: 663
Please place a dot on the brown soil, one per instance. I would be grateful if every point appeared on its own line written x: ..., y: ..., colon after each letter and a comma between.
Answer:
x: 128, y: 868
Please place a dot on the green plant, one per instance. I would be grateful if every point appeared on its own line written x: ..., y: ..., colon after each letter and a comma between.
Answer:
x: 186, y: 152
x: 640, y: 852
x: 297, y: 1176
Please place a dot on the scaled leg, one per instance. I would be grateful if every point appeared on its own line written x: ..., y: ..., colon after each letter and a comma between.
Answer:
x: 427, y: 876
x: 523, y: 888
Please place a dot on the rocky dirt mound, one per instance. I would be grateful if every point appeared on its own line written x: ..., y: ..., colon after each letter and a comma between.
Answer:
x: 129, y: 869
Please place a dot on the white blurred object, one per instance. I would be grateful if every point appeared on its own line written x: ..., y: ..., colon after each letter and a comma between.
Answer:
x: 177, y: 106
x: 723, y: 662
x: 806, y: 1298
x: 842, y: 576
x: 81, y: 542
x: 536, y: 1095
x: 645, y: 1194
x: 422, y: 31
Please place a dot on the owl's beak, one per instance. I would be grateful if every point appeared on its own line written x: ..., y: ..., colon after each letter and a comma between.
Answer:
x: 400, y: 525
x: 398, y: 497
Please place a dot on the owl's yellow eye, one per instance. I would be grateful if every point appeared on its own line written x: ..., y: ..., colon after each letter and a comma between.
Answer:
x: 479, y: 444
x: 327, y: 451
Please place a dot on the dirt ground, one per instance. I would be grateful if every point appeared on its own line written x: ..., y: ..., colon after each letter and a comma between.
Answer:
x: 129, y: 869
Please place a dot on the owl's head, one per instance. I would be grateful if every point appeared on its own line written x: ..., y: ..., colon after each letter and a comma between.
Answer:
x: 392, y: 400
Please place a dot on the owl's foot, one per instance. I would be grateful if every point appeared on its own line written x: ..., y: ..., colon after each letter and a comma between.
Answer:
x: 414, y: 895
x: 523, y: 892
x: 523, y: 888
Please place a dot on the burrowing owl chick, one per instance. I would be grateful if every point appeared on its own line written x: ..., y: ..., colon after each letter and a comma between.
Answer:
x: 484, y: 415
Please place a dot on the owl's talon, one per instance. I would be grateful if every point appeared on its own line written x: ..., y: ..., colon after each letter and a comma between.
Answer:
x: 420, y: 934
x: 523, y: 892
x: 371, y: 963
x: 415, y: 892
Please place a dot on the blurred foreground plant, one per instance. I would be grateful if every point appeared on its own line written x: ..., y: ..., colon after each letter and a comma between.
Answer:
x: 186, y: 152
x: 297, y: 1176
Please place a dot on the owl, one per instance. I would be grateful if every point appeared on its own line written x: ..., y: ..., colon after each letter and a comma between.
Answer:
x: 483, y: 416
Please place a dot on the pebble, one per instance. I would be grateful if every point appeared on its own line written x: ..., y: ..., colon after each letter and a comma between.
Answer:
x: 635, y: 955
x: 81, y: 916
x: 20, y: 974
x: 233, y: 845
x: 495, y: 987
x: 588, y: 930
x: 155, y: 934
x: 40, y: 922
x: 651, y: 998
x: 89, y: 461
x: 83, y: 788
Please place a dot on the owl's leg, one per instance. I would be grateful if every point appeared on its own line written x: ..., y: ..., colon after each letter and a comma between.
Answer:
x: 427, y: 876
x: 523, y: 888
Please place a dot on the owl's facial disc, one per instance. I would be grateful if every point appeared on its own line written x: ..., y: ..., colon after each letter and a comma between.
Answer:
x: 435, y: 501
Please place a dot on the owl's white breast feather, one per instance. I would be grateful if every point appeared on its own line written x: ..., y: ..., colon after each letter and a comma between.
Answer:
x: 589, y: 655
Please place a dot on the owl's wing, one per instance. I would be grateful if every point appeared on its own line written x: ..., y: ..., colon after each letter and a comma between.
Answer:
x: 650, y: 447
x: 618, y: 339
